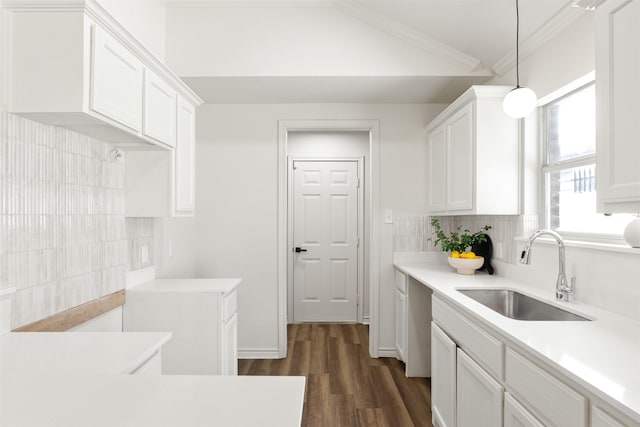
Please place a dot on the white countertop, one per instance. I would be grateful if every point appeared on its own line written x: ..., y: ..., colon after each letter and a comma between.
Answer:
x: 601, y: 355
x: 187, y: 285
x: 151, y: 401
x: 77, y: 352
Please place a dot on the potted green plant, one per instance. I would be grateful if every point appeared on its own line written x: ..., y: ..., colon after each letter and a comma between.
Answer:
x: 456, y: 243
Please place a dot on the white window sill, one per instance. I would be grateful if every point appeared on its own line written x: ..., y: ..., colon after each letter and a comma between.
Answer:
x: 598, y: 246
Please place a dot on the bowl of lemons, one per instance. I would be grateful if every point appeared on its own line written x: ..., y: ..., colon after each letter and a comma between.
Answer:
x: 465, y: 262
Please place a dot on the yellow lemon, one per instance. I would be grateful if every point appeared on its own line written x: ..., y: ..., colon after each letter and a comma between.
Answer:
x: 455, y: 254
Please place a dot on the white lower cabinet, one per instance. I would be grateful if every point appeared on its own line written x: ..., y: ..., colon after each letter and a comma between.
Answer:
x: 516, y: 415
x: 462, y: 393
x: 229, y: 350
x: 478, y: 396
x: 443, y: 378
x: 554, y: 402
x: 401, y: 325
x: 470, y: 388
x: 202, y: 316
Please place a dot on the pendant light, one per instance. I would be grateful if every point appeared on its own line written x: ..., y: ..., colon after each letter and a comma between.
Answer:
x: 521, y: 100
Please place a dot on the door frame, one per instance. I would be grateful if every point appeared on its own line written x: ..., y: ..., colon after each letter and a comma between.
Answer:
x: 373, y: 212
x: 290, y: 219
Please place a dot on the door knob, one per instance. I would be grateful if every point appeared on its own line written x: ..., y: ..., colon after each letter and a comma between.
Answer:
x: 300, y: 250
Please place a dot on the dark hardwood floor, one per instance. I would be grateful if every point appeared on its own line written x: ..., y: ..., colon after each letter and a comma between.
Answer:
x: 346, y: 387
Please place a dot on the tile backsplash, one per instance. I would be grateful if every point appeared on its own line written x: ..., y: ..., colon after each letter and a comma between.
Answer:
x: 63, y: 238
x: 140, y: 236
x: 412, y: 233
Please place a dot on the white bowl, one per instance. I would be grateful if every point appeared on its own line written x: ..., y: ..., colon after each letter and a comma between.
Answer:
x: 466, y: 265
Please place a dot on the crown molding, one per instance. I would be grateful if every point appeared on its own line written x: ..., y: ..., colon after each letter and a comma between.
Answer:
x: 403, y: 32
x: 174, y: 4
x: 558, y: 22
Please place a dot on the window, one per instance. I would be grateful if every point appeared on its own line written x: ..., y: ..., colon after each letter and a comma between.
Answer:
x: 569, y: 168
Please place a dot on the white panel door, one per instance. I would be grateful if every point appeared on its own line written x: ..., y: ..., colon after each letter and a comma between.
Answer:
x: 438, y: 170
x: 159, y: 109
x: 325, y: 229
x: 229, y: 347
x: 401, y: 325
x: 460, y: 170
x: 618, y: 90
x: 116, y: 80
x: 478, y: 396
x: 443, y: 378
x: 184, y: 173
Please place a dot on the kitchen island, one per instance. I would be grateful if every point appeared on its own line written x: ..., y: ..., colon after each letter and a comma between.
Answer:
x: 71, y: 379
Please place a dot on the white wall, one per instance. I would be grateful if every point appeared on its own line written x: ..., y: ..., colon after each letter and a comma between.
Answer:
x: 604, y: 279
x: 563, y: 59
x: 144, y: 19
x: 313, y: 40
x: 237, y: 198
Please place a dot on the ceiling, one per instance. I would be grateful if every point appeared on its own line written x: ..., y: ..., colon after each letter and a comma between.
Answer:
x: 477, y: 30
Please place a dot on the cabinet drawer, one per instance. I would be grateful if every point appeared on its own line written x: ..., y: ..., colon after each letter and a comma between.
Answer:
x: 516, y: 415
x: 552, y: 401
x: 485, y: 349
x: 599, y: 418
x: 229, y: 305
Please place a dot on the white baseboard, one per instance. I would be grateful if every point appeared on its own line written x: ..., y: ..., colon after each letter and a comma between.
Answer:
x: 366, y: 320
x: 258, y: 353
x: 387, y: 352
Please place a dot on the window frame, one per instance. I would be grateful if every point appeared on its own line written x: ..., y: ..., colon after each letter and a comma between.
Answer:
x: 546, y: 168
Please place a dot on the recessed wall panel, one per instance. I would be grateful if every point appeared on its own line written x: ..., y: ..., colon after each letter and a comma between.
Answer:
x: 339, y: 268
x: 339, y: 219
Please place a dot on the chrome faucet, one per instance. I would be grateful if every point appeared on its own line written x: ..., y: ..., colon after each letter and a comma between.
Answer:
x: 563, y: 289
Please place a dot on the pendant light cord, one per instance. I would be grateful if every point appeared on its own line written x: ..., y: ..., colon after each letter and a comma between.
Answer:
x: 517, y: 45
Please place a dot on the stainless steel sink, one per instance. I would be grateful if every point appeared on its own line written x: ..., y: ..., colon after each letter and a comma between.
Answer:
x: 518, y: 306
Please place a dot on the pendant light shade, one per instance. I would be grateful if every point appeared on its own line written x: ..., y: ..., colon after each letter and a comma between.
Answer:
x: 520, y: 101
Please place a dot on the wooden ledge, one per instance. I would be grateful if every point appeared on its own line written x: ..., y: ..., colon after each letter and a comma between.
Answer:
x: 75, y: 316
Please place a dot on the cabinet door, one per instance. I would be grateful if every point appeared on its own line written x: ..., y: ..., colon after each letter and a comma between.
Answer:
x: 516, y: 415
x: 443, y: 378
x: 401, y: 324
x: 478, y: 396
x: 460, y: 160
x: 599, y: 418
x: 159, y: 109
x: 229, y: 349
x: 617, y: 86
x: 438, y: 170
x: 116, y: 80
x: 184, y: 172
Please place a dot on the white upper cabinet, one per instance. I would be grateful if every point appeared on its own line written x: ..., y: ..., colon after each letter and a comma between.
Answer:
x: 617, y: 89
x: 437, y: 170
x: 474, y: 156
x: 116, y: 80
x: 184, y: 161
x: 159, y: 109
x: 71, y: 64
x: 459, y: 154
